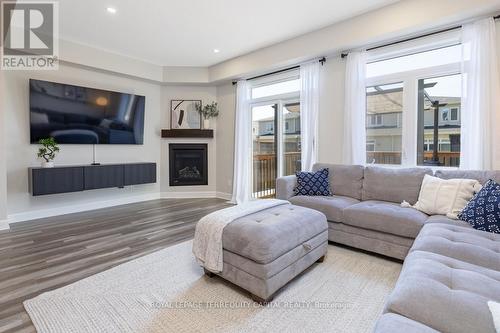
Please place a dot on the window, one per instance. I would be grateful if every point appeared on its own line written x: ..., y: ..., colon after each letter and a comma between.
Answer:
x: 375, y: 120
x: 422, y: 89
x: 289, y: 86
x: 445, y: 115
x: 275, y: 111
x: 268, y: 127
x: 384, y: 107
x: 370, y: 145
x: 442, y: 56
x: 439, y: 96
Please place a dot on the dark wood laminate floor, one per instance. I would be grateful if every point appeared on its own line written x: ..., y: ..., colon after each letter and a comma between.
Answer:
x: 46, y: 254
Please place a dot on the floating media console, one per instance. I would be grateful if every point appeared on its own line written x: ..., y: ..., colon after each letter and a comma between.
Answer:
x: 77, y: 178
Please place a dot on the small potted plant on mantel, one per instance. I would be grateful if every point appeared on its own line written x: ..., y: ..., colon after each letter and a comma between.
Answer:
x: 208, y: 111
x: 48, y: 152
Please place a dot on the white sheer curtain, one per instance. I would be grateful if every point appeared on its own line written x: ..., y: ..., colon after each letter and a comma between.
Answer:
x: 354, y: 151
x: 242, y: 145
x: 479, y: 95
x: 309, y: 109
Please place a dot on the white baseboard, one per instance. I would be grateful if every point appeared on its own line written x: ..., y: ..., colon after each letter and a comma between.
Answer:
x: 4, y: 225
x: 223, y: 195
x: 42, y: 213
x: 188, y: 195
x: 197, y: 194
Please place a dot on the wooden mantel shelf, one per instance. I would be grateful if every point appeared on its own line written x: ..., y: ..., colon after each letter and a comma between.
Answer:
x: 187, y: 133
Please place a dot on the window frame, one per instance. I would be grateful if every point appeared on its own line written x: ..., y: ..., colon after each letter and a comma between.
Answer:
x: 409, y: 79
x: 273, y: 79
x: 280, y: 100
x: 457, y: 114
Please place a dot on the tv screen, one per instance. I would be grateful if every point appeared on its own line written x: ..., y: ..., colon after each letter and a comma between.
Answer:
x: 79, y: 115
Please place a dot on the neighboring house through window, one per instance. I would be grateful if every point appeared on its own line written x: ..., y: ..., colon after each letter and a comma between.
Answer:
x: 407, y: 88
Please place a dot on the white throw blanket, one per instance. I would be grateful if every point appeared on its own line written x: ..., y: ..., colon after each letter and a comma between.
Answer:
x: 207, y: 244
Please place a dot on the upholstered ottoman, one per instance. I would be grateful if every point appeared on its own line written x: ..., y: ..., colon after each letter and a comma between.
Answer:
x: 265, y: 250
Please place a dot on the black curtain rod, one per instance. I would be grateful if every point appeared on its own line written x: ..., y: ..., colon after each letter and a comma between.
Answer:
x: 343, y: 55
x: 322, y: 61
x: 275, y: 72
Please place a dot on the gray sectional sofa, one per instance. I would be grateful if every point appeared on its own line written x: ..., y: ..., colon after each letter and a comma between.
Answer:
x: 365, y: 209
x: 450, y: 270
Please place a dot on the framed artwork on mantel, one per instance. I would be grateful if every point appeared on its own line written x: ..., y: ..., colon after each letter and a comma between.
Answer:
x: 184, y: 114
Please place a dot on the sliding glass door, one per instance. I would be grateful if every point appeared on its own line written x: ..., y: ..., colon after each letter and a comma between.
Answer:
x: 290, y: 138
x: 276, y: 144
x: 275, y: 107
x: 265, y: 164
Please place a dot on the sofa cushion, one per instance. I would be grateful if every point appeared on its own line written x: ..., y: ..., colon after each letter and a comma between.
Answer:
x: 313, y: 183
x: 481, y: 176
x: 483, y: 211
x: 385, y: 217
x: 260, y: 236
x: 394, y: 323
x: 466, y: 244
x: 345, y: 180
x: 332, y: 206
x: 445, y: 196
x: 433, y: 219
x: 370, y: 240
x: 445, y: 294
x: 395, y: 185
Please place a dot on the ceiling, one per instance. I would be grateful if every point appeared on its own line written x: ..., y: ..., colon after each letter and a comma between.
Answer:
x: 186, y: 32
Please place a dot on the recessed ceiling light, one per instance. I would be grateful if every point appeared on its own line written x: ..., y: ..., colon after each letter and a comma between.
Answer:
x: 111, y: 10
x: 216, y: 50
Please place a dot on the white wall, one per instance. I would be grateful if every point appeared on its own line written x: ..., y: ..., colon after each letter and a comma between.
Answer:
x: 3, y: 164
x: 497, y: 124
x: 225, y: 138
x: 331, y: 111
x: 206, y: 95
x: 20, y: 154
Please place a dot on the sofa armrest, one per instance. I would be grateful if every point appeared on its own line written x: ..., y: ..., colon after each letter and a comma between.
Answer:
x: 285, y: 186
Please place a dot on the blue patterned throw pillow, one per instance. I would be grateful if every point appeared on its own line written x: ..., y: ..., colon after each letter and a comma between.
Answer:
x: 483, y: 210
x: 313, y: 183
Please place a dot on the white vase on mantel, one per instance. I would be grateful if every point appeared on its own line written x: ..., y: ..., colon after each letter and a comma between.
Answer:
x: 206, y: 123
x: 46, y: 164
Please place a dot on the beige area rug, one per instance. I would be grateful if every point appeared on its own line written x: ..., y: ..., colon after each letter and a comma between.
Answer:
x: 167, y: 292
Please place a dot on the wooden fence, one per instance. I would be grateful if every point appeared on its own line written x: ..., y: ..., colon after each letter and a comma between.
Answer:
x: 448, y: 159
x: 265, y: 172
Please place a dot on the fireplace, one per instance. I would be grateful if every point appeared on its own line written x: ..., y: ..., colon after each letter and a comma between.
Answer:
x: 188, y: 164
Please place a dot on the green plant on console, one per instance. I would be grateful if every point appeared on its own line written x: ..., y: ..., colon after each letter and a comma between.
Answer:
x: 209, y: 111
x: 48, y: 150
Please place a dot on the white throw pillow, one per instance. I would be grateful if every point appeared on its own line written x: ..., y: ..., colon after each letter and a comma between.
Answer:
x: 445, y: 196
x: 495, y: 312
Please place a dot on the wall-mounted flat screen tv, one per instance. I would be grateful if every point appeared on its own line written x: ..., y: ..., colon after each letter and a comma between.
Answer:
x: 78, y: 115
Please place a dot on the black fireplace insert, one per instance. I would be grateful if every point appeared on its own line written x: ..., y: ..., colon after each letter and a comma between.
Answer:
x: 188, y: 164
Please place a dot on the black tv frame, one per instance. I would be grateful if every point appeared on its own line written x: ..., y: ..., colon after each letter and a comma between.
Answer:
x: 85, y: 87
